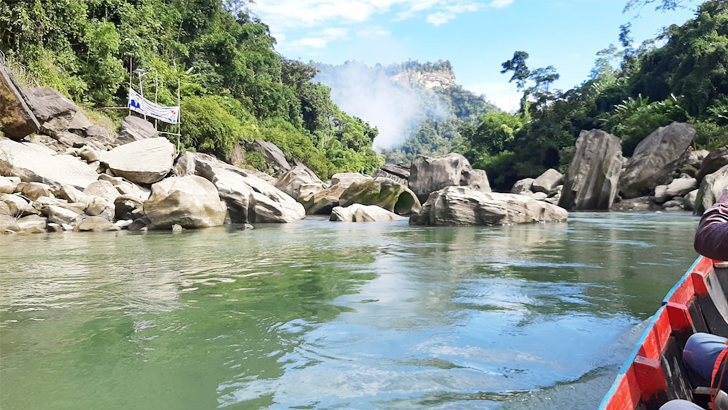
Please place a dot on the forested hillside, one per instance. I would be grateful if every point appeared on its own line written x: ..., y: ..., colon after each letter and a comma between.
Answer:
x: 633, y: 89
x: 234, y: 86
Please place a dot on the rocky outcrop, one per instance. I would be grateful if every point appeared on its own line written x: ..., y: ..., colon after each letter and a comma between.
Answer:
x: 300, y: 182
x: 189, y: 201
x: 135, y: 129
x: 273, y: 155
x: 547, y: 182
x: 323, y: 202
x: 522, y: 186
x: 654, y: 159
x: 143, y: 162
x: 399, y: 173
x: 362, y: 213
x: 690, y: 200
x: 17, y: 117
x: 382, y: 192
x: 593, y: 176
x: 429, y: 174
x: 467, y: 206
x: 48, y: 103
x: 713, y: 162
x: 711, y: 189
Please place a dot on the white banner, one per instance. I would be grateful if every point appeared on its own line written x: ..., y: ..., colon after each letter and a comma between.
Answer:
x: 143, y: 106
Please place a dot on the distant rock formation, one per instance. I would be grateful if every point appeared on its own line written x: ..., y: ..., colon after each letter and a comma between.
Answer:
x: 428, y: 174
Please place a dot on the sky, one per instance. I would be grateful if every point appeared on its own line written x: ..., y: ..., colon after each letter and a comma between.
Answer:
x: 476, y: 36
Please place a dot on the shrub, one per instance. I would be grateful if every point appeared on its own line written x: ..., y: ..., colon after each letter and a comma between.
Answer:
x: 207, y: 127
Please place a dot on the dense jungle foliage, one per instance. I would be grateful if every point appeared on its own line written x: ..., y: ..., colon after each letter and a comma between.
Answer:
x: 234, y: 86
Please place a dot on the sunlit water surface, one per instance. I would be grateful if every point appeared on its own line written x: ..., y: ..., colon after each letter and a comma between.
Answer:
x: 323, y: 315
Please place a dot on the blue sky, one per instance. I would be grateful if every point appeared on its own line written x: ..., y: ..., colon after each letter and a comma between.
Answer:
x: 476, y: 36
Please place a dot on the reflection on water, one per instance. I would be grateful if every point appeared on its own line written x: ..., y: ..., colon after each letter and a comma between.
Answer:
x: 318, y: 315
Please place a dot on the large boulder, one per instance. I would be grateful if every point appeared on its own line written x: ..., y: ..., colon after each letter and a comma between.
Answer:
x: 399, y: 173
x: 522, y: 186
x: 18, y: 119
x: 189, y: 201
x: 382, y: 192
x: 273, y: 155
x: 48, y: 103
x: 714, y: 161
x: 467, y: 206
x: 17, y: 206
x: 548, y: 181
x: 654, y: 159
x: 143, y: 162
x: 135, y: 129
x: 36, y: 163
x: 593, y: 176
x: 299, y: 182
x: 95, y: 224
x: 681, y: 186
x: 690, y: 199
x: 711, y: 189
x: 102, y: 189
x: 34, y: 190
x: 323, y: 202
x: 429, y: 174
x: 362, y: 213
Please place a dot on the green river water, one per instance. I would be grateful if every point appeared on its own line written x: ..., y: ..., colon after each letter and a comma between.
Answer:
x: 323, y: 315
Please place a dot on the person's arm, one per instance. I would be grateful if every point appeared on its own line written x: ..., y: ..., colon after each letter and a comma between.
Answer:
x: 711, y: 239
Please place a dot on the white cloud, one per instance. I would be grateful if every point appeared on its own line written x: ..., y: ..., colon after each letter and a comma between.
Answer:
x: 373, y: 32
x: 439, y: 18
x: 503, y: 94
x: 499, y: 4
x: 319, y: 39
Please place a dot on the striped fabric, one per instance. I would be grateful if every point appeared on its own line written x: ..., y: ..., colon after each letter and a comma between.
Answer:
x: 143, y: 106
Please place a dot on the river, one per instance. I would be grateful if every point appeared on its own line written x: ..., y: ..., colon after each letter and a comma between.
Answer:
x: 323, y: 315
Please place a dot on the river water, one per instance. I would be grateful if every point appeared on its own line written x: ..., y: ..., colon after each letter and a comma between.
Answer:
x: 323, y: 315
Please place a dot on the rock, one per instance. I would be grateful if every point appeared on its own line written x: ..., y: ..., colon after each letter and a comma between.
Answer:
x: 48, y: 103
x: 467, y: 206
x: 714, y: 161
x: 80, y: 123
x: 711, y: 189
x: 548, y: 181
x: 273, y: 155
x: 691, y: 159
x: 176, y: 228
x: 72, y: 194
x: 140, y: 225
x: 689, y: 200
x: 661, y: 194
x: 123, y: 224
x: 18, y: 120
x: 125, y: 187
x: 6, y: 185
x: 34, y: 190
x: 323, y: 202
x: 135, y: 129
x: 60, y: 215
x: 102, y: 207
x: 299, y: 181
x: 143, y: 162
x: 673, y: 205
x: 556, y: 191
x: 125, y: 207
x: 89, y: 155
x: 95, y: 224
x: 432, y: 174
x: 654, y: 159
x: 103, y: 189
x: 399, y: 173
x: 592, y: 180
x: 523, y: 185
x: 34, y: 162
x: 190, y: 201
x: 8, y: 223
x: 32, y: 224
x: 17, y: 206
x: 363, y: 213
x: 539, y: 196
x: 382, y: 192
x: 99, y: 134
x: 681, y: 186
x: 54, y: 227
x: 5, y: 209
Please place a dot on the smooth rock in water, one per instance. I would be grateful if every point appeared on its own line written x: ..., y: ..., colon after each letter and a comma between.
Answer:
x: 714, y: 161
x: 654, y: 159
x: 143, y: 162
x: 135, y: 129
x: 689, y: 200
x: 673, y: 205
x: 60, y: 215
x: 681, y: 186
x: 126, y: 205
x: 548, y: 181
x: 300, y: 181
x: 429, y: 174
x: 17, y: 206
x: 102, y: 207
x: 54, y: 227
x: 190, y: 201
x: 593, y: 176
x: 103, y: 189
x: 8, y: 223
x: 95, y: 224
x: 37, y: 163
x: 123, y: 224
x: 43, y: 202
x: 140, y: 225
x: 523, y: 185
x: 399, y: 173
x: 711, y: 189
x: 34, y: 190
x: 661, y: 194
x: 32, y: 224
x: 176, y: 228
x: 382, y: 192
x: 362, y: 213
x: 467, y: 206
x: 18, y: 120
x: 273, y: 155
x: 324, y: 201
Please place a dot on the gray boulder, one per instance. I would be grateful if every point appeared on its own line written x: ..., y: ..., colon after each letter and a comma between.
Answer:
x: 48, y: 103
x: 592, y: 180
x: 59, y: 215
x: 429, y: 174
x: 102, y: 189
x: 522, y: 186
x: 18, y: 120
x: 661, y: 194
x: 300, y: 181
x: 381, y: 192
x: 189, y: 201
x: 128, y: 207
x: 273, y: 155
x: 95, y: 224
x: 17, y: 206
x: 467, y: 206
x: 323, y: 202
x: 399, y: 173
x: 6, y: 185
x: 362, y: 213
x: 689, y: 200
x: 548, y: 181
x: 681, y: 186
x: 711, y: 189
x: 135, y: 129
x: 143, y: 162
x: 32, y: 224
x: 714, y: 161
x: 654, y: 159
x: 8, y: 223
x: 34, y: 190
